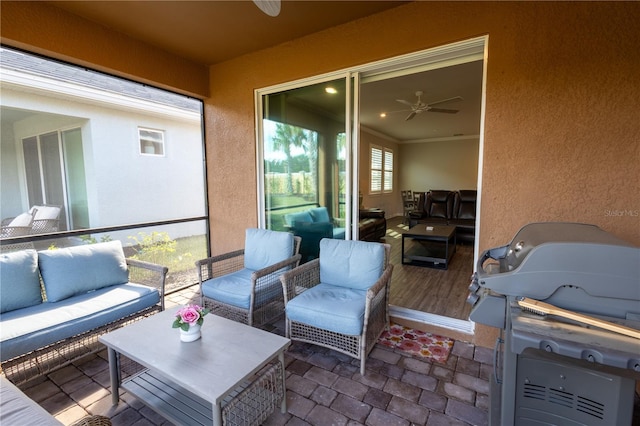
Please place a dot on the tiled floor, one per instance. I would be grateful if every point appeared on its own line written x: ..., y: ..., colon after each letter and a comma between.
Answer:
x: 323, y: 388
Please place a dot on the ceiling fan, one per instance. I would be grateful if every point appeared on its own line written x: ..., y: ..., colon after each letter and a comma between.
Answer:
x: 419, y: 106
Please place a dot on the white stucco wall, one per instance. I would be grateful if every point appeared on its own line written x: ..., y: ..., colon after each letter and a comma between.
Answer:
x: 123, y: 186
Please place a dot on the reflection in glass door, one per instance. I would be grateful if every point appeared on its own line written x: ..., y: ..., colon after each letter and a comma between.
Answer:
x: 304, y: 156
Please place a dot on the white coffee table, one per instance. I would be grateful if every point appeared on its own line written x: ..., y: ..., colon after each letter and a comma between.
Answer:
x: 192, y: 383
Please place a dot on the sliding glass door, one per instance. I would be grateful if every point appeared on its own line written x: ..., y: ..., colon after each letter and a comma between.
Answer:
x: 305, y: 171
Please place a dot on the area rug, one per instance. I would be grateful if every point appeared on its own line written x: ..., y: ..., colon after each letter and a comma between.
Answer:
x: 416, y: 343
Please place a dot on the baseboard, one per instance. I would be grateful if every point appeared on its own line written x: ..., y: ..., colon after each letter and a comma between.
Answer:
x: 439, y: 321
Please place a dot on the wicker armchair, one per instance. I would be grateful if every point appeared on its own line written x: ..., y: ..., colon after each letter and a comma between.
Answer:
x: 340, y: 300
x: 16, y: 226
x: 244, y: 285
x: 46, y: 218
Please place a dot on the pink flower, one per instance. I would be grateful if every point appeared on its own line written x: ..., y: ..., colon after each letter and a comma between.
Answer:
x: 190, y: 314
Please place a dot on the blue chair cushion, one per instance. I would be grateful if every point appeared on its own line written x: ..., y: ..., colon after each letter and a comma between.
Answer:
x: 19, y: 280
x: 329, y: 307
x: 264, y: 248
x: 291, y: 218
x: 351, y: 264
x: 75, y: 270
x: 34, y: 327
x: 235, y: 289
x: 320, y: 214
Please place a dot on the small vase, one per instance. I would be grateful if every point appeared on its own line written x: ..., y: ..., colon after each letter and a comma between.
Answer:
x: 190, y: 335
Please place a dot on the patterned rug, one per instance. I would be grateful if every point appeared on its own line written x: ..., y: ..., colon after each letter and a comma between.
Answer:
x: 419, y: 344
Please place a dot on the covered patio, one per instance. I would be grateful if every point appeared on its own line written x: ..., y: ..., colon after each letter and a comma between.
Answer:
x: 323, y: 387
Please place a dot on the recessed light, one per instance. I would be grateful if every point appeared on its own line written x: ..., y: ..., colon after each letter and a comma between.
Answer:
x: 383, y: 114
x: 331, y: 90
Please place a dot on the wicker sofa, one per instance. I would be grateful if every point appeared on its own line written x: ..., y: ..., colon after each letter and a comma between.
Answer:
x: 16, y: 408
x: 55, y: 303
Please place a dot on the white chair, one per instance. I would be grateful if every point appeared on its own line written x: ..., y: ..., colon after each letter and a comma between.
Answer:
x: 340, y: 300
x: 244, y: 285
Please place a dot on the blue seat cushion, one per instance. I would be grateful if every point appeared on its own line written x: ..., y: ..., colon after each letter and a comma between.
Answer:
x: 329, y: 307
x: 19, y: 280
x: 264, y: 248
x: 30, y: 328
x: 351, y: 264
x: 75, y: 270
x: 235, y: 289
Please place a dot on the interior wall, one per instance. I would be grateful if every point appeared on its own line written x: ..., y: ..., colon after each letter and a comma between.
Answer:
x: 449, y: 165
x: 390, y: 202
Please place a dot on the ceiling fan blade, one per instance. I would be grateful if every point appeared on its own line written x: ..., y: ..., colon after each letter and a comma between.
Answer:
x: 410, y: 116
x: 454, y: 99
x: 447, y: 111
x: 402, y: 101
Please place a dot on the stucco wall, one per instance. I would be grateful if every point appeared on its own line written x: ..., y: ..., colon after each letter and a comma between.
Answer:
x: 42, y: 28
x: 562, y: 134
x: 562, y: 101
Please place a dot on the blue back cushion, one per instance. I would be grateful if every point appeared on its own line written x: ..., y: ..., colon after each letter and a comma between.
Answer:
x: 80, y: 269
x: 291, y: 218
x: 320, y: 214
x: 351, y: 264
x: 19, y: 280
x: 263, y: 248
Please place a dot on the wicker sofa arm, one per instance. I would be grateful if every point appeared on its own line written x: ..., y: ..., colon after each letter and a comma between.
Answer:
x: 222, y: 264
x: 150, y: 274
x: 299, y: 279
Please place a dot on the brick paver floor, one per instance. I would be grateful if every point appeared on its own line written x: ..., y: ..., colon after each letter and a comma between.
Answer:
x: 324, y: 387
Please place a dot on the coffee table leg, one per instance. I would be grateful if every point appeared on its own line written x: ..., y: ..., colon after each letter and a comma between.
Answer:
x: 217, y: 415
x: 114, y: 373
x: 283, y: 405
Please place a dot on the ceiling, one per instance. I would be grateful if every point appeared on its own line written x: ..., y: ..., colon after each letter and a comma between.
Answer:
x: 209, y: 32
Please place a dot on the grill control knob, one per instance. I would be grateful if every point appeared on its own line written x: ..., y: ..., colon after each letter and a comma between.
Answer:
x: 472, y: 298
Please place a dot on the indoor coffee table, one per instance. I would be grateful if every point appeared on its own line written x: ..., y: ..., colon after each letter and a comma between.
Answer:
x: 434, y: 247
x: 233, y: 371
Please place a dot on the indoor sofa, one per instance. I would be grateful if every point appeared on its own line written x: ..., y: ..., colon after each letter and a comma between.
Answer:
x: 443, y: 207
x: 55, y: 303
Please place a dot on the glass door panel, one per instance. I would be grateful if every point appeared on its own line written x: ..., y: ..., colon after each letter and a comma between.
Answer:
x: 304, y: 162
x: 76, y: 180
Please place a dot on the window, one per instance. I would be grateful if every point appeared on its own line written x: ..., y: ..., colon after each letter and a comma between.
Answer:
x: 381, y: 170
x: 151, y: 141
x: 89, y: 163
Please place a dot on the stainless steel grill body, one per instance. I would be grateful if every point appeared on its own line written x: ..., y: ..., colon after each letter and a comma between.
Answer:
x: 573, y: 266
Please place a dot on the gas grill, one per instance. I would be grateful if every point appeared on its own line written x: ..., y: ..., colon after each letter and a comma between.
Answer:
x: 548, y: 369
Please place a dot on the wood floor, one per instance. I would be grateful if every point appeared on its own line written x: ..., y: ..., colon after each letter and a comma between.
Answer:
x: 440, y: 292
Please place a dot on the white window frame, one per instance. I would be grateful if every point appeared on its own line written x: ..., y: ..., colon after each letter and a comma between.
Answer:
x: 380, y: 175
x: 151, y: 146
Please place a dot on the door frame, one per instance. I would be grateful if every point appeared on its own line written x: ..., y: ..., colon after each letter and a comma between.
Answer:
x: 433, y: 58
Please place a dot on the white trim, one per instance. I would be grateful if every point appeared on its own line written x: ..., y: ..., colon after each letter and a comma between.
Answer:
x: 61, y: 89
x: 462, y: 326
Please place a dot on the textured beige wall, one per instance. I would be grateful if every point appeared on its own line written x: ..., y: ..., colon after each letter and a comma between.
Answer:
x: 44, y: 29
x: 561, y: 133
x: 562, y: 130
